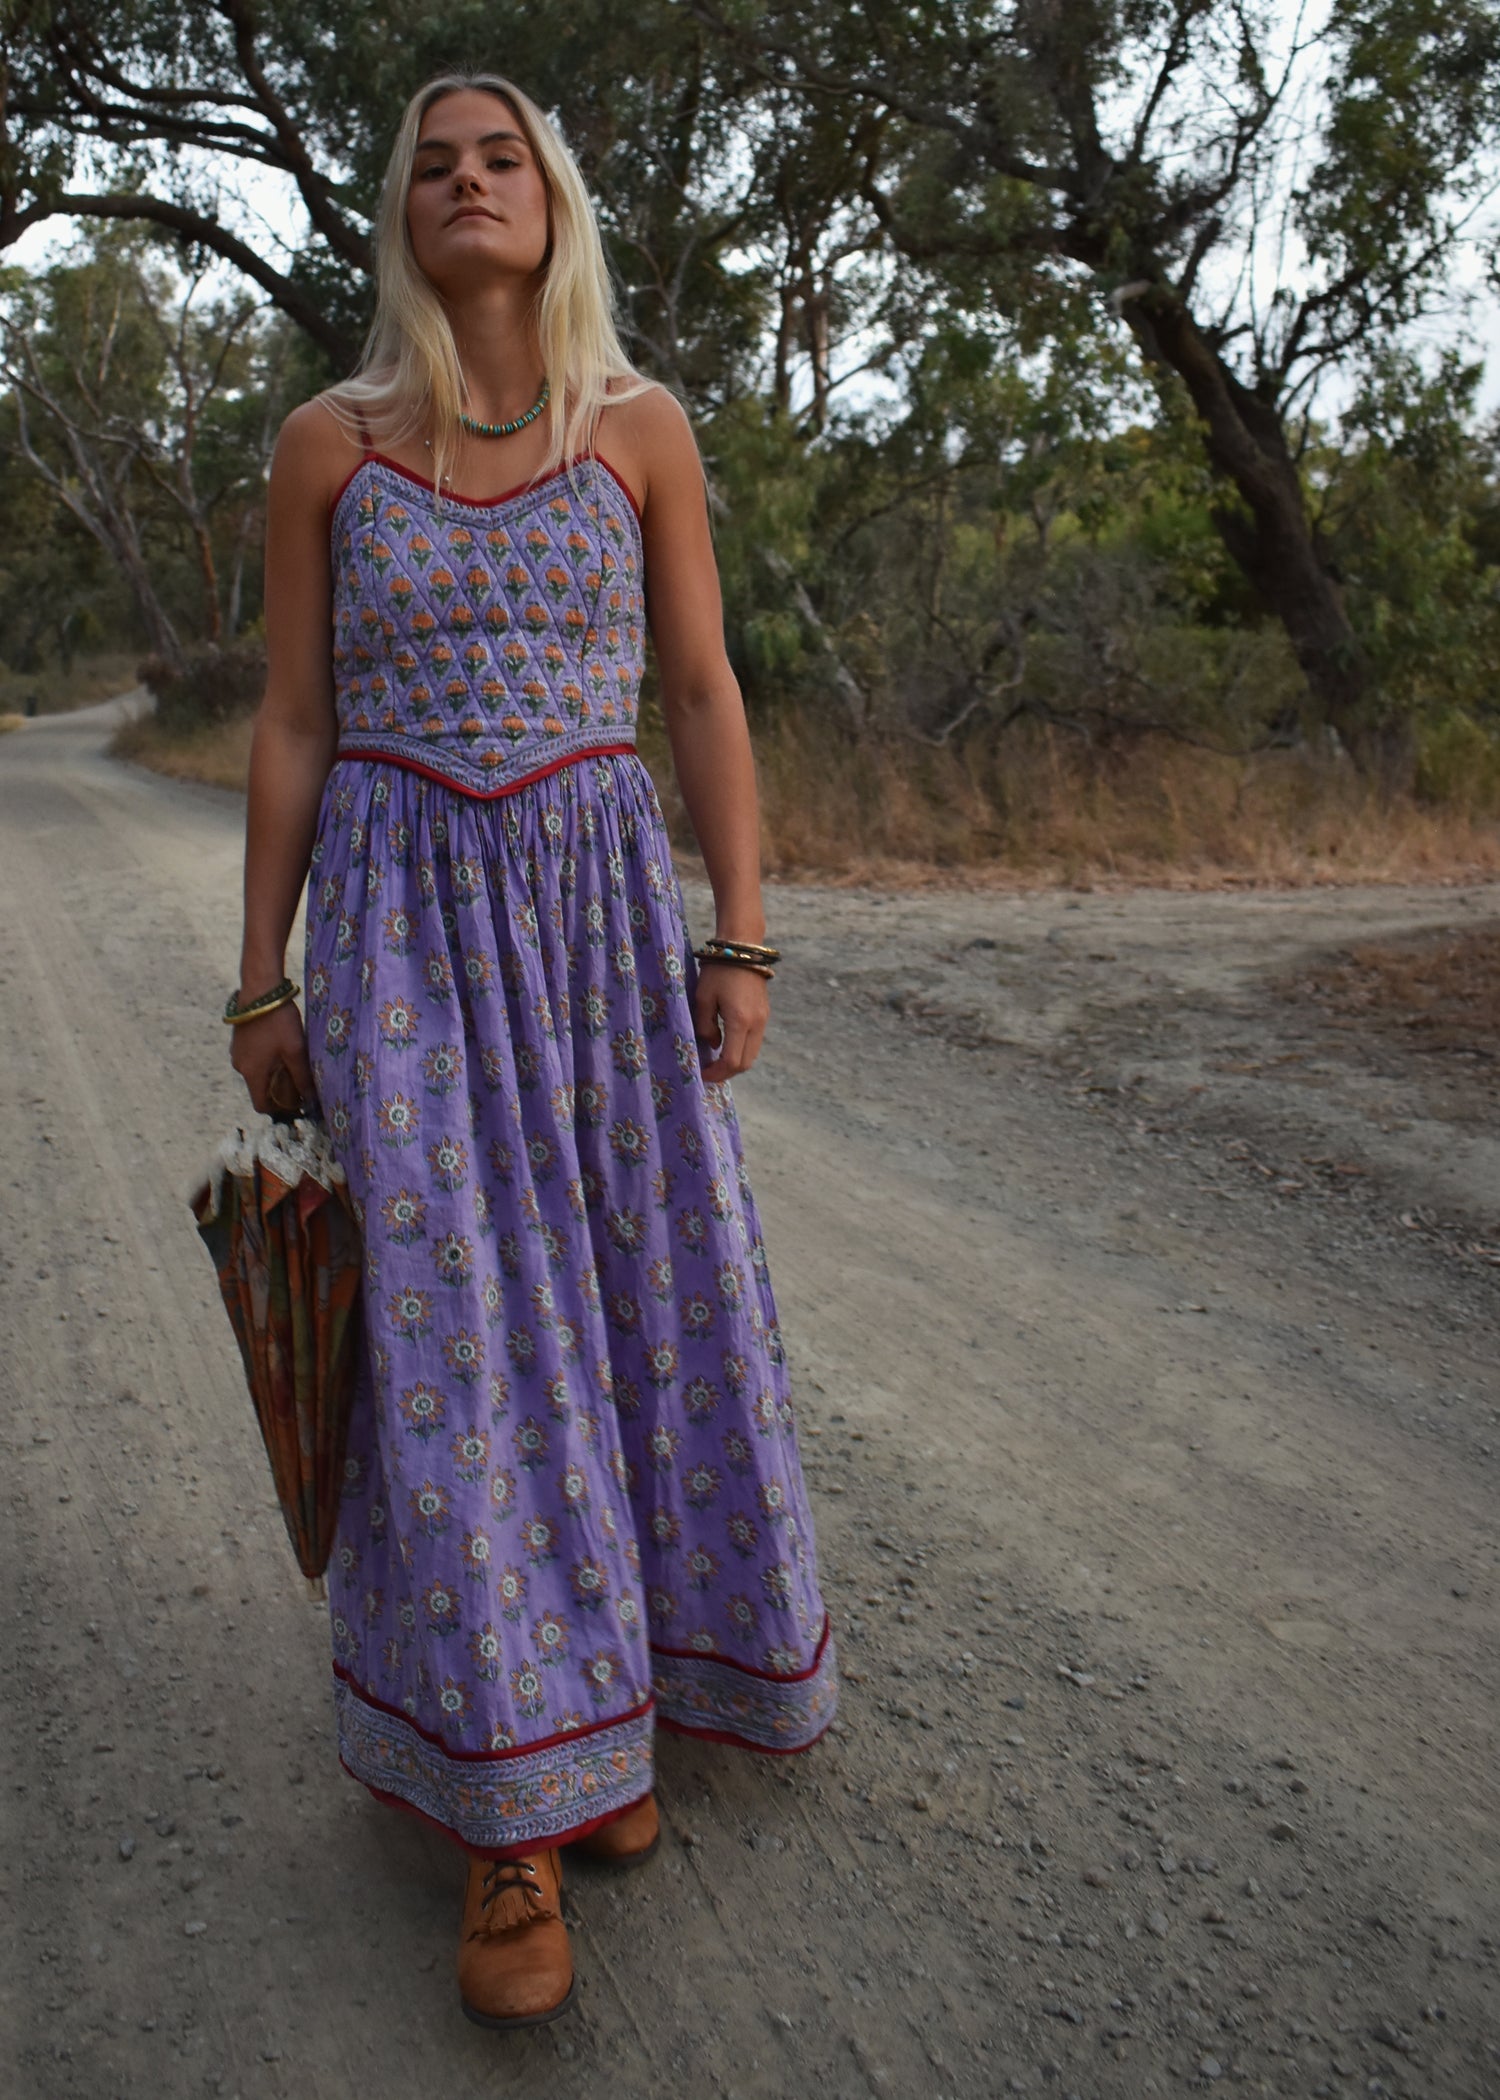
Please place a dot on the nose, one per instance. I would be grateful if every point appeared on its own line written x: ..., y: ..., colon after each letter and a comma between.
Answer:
x: 464, y: 179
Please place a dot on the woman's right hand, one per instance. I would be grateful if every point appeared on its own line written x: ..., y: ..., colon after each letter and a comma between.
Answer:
x: 272, y: 1042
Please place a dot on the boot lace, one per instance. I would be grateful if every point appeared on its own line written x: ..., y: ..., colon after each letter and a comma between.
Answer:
x: 510, y: 1894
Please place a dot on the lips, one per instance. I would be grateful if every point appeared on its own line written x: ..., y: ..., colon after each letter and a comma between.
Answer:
x: 471, y: 211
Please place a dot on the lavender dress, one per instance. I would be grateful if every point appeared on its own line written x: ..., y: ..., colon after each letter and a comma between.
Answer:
x: 575, y: 1508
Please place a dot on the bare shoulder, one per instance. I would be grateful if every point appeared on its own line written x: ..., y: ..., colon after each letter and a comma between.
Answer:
x: 649, y: 439
x: 314, y: 454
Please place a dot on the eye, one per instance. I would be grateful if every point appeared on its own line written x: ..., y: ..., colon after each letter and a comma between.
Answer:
x: 504, y: 160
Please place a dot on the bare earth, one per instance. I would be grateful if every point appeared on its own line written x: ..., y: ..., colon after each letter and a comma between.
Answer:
x: 1143, y: 1323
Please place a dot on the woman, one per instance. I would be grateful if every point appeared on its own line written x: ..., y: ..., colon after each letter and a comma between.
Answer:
x: 575, y: 1508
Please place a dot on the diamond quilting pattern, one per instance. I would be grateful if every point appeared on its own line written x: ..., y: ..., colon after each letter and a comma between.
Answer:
x: 486, y: 640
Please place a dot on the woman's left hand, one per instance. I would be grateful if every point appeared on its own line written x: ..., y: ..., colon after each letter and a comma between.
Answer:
x: 731, y: 1007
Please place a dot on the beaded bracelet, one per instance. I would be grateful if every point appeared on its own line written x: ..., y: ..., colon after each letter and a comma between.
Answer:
x: 721, y: 950
x: 278, y: 995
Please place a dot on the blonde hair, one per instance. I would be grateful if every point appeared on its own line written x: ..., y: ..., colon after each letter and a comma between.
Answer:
x: 409, y: 372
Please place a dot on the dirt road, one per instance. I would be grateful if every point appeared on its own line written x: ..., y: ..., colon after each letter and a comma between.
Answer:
x: 1143, y: 1322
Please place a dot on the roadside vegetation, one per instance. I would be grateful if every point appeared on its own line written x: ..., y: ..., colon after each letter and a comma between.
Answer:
x: 1050, y: 550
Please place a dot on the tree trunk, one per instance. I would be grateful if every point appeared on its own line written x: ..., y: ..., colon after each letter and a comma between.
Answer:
x: 162, y: 637
x: 818, y: 341
x: 249, y: 518
x: 1271, y: 538
x: 786, y: 336
x: 846, y: 685
x: 213, y: 618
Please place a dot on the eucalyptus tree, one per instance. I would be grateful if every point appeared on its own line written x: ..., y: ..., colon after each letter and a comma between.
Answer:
x: 1259, y: 193
x: 146, y: 407
x: 158, y: 111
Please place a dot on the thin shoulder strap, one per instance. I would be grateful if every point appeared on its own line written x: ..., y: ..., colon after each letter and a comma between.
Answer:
x: 364, y: 434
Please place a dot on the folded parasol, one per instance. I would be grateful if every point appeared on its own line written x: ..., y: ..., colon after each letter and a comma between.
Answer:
x: 275, y: 1216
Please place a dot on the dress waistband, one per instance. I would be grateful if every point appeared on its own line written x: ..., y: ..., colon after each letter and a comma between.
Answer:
x: 485, y: 776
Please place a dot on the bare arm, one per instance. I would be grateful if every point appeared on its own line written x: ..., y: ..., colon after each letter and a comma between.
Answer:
x: 705, y: 718
x: 294, y: 738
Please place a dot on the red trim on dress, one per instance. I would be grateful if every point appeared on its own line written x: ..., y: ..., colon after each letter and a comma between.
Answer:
x: 414, y: 765
x: 698, y: 1655
x: 485, y: 1757
x: 488, y: 502
x: 741, y: 1742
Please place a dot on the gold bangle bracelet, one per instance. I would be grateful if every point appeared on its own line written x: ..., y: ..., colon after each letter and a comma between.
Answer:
x: 253, y: 1013
x: 736, y: 962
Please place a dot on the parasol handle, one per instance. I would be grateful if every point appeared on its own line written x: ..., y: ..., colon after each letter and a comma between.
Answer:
x: 287, y: 1104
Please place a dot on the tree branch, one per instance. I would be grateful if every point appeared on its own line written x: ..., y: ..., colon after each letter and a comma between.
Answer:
x: 298, y: 305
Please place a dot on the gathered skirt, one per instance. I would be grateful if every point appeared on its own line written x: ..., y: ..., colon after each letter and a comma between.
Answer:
x: 574, y: 1507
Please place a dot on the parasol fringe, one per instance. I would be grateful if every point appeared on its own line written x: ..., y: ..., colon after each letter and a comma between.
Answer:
x: 288, y: 1150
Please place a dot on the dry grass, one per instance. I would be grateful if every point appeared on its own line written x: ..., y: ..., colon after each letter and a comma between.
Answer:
x: 1038, y: 811
x: 219, y: 757
x: 8, y: 722
x: 1034, y: 813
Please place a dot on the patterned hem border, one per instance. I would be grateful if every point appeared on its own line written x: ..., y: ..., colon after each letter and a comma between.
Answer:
x: 534, y: 1799
x: 710, y: 1695
x: 439, y: 762
x: 519, y: 1850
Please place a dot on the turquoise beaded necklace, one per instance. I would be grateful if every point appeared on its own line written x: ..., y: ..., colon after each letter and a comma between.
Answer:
x: 500, y: 430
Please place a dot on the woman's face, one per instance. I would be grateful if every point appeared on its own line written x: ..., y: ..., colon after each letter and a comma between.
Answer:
x: 477, y: 206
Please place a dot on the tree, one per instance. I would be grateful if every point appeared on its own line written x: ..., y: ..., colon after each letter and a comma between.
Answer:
x: 1240, y: 199
x: 1165, y: 153
x: 148, y: 110
x: 167, y: 99
x: 121, y: 383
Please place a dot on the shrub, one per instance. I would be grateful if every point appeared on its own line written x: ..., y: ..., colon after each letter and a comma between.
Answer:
x: 215, y: 686
x: 1458, y: 763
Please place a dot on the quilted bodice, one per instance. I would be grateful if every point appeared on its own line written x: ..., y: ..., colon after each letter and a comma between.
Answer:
x: 485, y: 642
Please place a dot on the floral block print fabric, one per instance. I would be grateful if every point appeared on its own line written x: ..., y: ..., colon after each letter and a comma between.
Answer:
x: 574, y: 1508
x: 491, y: 640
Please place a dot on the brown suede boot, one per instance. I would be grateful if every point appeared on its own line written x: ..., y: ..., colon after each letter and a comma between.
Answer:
x: 627, y: 1841
x: 515, y: 1967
